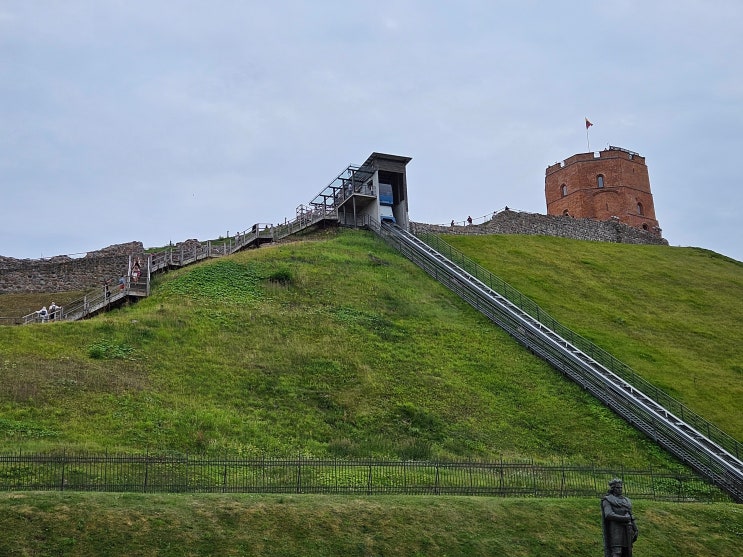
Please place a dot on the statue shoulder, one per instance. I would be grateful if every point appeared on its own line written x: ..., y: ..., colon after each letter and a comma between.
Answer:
x: 615, y: 501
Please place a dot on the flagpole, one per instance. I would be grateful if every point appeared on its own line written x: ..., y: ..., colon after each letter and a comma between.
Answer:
x: 588, y: 141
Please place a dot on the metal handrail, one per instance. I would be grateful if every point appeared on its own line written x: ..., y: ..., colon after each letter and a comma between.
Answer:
x: 672, y: 433
x: 188, y: 254
x: 190, y: 474
x: 623, y: 370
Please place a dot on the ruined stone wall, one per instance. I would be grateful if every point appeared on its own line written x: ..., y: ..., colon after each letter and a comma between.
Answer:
x: 63, y: 273
x: 517, y: 222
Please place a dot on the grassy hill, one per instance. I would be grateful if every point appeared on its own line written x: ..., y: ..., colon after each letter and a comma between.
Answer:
x: 96, y: 524
x: 339, y: 347
x: 675, y: 315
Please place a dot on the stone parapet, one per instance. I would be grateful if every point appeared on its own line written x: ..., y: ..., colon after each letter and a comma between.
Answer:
x: 64, y: 274
x: 518, y: 222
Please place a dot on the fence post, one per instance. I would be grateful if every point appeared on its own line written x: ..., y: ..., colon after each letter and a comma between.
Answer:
x: 64, y: 460
x: 562, y: 480
x: 299, y: 474
x: 680, y: 488
x: 595, y: 486
x: 224, y: 478
x: 501, y: 477
x: 146, y: 472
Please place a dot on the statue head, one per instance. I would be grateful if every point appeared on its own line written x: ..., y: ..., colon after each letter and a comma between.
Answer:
x: 615, y: 486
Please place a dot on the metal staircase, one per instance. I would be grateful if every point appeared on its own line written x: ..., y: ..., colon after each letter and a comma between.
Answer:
x: 713, y: 454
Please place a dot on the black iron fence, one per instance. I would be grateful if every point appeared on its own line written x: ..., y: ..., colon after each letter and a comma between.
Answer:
x: 187, y: 474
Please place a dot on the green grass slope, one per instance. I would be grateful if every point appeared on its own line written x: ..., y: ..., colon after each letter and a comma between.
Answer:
x: 95, y: 524
x: 675, y: 315
x: 340, y: 347
x: 337, y: 347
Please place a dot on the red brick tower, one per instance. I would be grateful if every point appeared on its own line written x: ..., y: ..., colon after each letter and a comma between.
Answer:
x: 612, y: 185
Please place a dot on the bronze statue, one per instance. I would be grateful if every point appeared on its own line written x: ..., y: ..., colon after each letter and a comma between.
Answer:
x: 617, y: 522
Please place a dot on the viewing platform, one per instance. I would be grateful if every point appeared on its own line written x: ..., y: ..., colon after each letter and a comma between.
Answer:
x: 351, y: 199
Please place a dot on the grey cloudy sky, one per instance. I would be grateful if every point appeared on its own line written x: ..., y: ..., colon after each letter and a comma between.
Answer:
x: 166, y: 120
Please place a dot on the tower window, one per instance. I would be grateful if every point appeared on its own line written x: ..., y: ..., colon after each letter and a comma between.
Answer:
x: 600, y: 180
x: 640, y: 210
x: 564, y: 190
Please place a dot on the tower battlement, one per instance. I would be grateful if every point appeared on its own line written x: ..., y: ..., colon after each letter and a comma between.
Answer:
x: 612, y: 184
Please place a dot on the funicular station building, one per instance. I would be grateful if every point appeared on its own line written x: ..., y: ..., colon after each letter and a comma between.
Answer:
x: 360, y: 196
x: 373, y: 192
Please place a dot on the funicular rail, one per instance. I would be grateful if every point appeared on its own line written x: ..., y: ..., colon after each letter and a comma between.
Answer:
x: 673, y: 433
x: 608, y: 361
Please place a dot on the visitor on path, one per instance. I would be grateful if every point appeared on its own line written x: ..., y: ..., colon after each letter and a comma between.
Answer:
x: 53, y: 311
x: 469, y: 221
x: 136, y: 271
x: 43, y: 315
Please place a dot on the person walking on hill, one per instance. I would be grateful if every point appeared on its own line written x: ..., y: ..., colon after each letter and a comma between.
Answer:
x: 469, y: 221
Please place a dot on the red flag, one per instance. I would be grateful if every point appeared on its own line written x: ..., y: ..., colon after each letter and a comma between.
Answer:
x: 588, y: 124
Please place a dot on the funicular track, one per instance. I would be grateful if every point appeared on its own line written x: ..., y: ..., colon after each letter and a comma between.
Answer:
x: 715, y: 456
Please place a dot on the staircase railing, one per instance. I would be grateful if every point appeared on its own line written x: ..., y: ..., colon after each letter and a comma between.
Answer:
x: 596, y: 353
x: 717, y: 459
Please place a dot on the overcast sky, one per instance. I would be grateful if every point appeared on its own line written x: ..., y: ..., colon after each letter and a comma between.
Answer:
x: 165, y: 120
